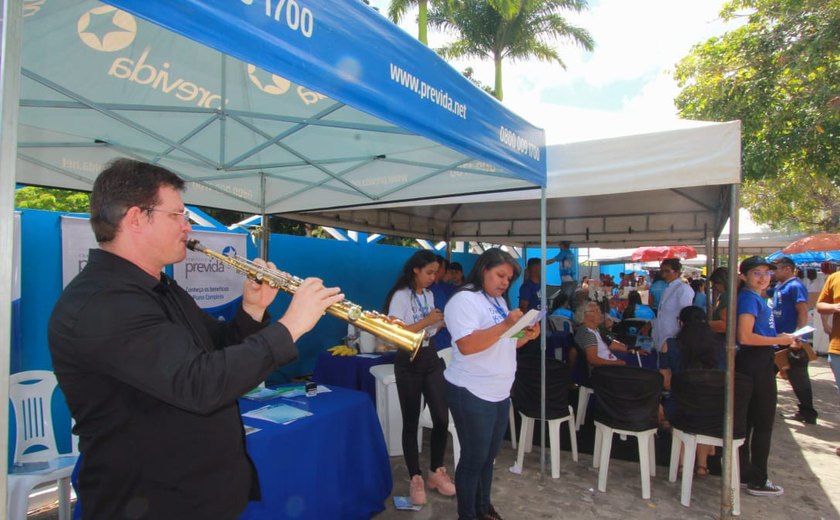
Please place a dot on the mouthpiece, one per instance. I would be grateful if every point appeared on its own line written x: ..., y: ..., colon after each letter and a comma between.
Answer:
x: 195, y: 245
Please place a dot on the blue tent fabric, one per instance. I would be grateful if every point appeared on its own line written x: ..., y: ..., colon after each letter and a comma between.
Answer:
x: 809, y: 257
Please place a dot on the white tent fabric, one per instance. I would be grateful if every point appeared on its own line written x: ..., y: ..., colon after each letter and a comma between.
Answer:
x: 651, y: 189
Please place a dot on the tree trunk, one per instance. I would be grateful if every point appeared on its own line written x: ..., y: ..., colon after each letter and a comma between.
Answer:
x: 422, y: 21
x: 497, y: 59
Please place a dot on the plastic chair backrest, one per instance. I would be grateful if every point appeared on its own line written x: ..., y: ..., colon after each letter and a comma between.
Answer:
x: 526, y: 387
x: 446, y: 355
x: 31, y: 395
x: 627, y: 330
x: 699, y: 401
x: 561, y: 323
x: 627, y: 397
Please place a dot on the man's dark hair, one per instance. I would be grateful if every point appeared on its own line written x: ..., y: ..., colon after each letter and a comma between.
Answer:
x: 123, y: 184
x: 532, y: 262
x: 673, y: 263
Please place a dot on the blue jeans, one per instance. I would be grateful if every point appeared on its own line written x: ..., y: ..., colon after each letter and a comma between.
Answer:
x: 834, y: 361
x: 481, y: 427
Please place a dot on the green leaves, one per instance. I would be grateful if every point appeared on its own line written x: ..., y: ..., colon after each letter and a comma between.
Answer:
x: 778, y: 74
x: 508, y: 29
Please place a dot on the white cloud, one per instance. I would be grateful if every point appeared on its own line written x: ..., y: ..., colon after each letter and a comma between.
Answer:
x: 636, y: 42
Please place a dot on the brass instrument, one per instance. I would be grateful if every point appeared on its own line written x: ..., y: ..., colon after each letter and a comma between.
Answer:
x: 371, y: 321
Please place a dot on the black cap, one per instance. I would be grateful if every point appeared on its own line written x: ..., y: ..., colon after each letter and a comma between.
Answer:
x: 455, y: 266
x: 753, y: 262
x: 784, y: 260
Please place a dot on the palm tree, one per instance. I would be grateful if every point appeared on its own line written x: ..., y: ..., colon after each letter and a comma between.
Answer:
x: 514, y: 29
x: 398, y: 8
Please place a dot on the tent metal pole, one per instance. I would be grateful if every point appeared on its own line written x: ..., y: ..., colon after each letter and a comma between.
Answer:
x: 10, y: 59
x: 729, y: 402
x: 543, y: 335
x: 264, y: 221
x: 707, y: 287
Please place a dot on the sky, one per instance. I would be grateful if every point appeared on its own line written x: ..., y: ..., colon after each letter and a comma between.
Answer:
x: 624, y: 86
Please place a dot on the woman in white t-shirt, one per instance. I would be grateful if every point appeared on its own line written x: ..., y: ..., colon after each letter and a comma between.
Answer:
x: 410, y: 301
x: 480, y: 375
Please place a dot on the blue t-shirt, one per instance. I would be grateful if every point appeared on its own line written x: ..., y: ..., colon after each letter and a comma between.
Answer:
x: 530, y: 291
x: 564, y: 312
x: 643, y: 312
x: 750, y: 302
x: 566, y: 260
x: 785, y: 297
x: 656, y: 289
x: 699, y: 300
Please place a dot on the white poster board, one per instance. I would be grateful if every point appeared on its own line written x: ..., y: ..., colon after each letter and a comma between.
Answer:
x: 77, y: 239
x: 211, y: 283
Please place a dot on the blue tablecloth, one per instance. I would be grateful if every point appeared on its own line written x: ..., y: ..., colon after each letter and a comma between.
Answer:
x: 332, y: 464
x: 350, y: 371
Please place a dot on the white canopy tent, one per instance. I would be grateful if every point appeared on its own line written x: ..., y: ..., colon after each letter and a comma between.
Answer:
x: 652, y: 189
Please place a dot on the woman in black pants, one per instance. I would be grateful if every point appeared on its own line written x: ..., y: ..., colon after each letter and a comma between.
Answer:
x: 410, y: 301
x: 757, y: 336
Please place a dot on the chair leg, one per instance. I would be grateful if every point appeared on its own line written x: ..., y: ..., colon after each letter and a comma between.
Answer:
x: 64, y: 499
x: 554, y: 441
x: 604, y: 459
x: 520, y: 452
x: 583, y: 402
x: 512, y: 426
x: 18, y: 502
x: 572, y: 434
x: 676, y: 443
x: 652, y: 454
x: 644, y: 463
x: 596, y: 451
x: 526, y: 433
x: 689, y: 452
x: 736, y: 479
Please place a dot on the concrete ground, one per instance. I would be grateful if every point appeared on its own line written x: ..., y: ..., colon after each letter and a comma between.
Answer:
x: 802, y: 460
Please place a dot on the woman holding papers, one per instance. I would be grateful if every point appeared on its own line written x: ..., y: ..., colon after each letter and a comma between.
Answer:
x: 756, y: 335
x: 411, y: 301
x: 480, y: 376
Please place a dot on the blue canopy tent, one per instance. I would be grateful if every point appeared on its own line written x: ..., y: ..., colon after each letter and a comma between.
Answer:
x: 262, y: 106
x: 809, y: 257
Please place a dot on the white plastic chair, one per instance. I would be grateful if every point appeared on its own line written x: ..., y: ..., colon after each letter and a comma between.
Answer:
x: 689, y: 442
x: 426, y: 418
x: 526, y: 436
x: 583, y: 403
x: 31, y: 395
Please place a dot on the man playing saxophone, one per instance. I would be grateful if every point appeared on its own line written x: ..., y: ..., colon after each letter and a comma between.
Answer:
x: 151, y: 380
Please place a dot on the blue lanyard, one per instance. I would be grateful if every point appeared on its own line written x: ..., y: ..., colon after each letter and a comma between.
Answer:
x: 424, y: 307
x: 495, y: 303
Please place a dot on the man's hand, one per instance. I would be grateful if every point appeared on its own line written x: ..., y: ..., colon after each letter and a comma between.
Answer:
x: 309, y: 303
x: 256, y: 297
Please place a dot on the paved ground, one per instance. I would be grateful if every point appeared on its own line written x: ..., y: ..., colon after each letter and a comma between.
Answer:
x: 803, y: 460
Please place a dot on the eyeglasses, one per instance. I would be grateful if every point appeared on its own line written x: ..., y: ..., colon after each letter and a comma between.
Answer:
x: 761, y: 273
x: 185, y: 214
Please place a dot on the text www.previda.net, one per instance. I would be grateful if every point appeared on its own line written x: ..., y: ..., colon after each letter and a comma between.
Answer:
x: 426, y: 91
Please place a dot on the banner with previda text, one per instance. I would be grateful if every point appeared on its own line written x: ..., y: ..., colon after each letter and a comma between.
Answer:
x: 215, y: 286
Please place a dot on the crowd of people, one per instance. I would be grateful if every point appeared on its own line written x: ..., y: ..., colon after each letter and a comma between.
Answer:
x: 149, y: 362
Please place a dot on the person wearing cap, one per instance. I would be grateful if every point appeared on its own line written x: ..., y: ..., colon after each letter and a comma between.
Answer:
x: 790, y: 312
x: 756, y: 337
x: 567, y: 261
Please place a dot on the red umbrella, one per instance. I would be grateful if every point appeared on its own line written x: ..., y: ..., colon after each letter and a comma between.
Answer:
x: 818, y: 242
x: 650, y: 254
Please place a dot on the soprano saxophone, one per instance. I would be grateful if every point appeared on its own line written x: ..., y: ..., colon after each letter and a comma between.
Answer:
x: 371, y: 321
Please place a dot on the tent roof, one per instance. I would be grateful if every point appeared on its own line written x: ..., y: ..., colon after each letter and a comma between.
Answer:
x: 650, y: 189
x: 312, y: 105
